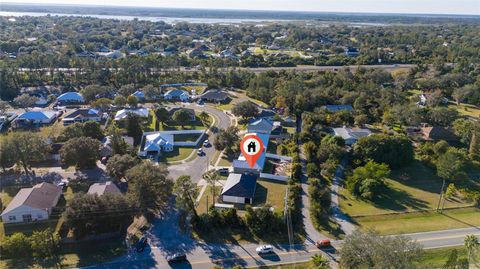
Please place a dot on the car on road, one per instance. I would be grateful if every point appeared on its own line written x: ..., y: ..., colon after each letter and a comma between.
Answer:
x: 206, y: 143
x: 200, y: 152
x: 324, y: 243
x: 223, y: 171
x: 177, y: 257
x: 141, y: 244
x: 265, y: 249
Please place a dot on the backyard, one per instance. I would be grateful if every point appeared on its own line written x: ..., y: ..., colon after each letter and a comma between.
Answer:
x: 271, y: 193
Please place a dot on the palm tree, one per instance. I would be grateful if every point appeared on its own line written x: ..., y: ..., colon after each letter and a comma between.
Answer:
x: 473, y: 246
x: 212, y: 177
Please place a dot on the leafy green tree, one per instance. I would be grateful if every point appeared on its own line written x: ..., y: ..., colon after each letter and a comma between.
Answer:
x: 473, y: 248
x: 245, y: 109
x: 127, y: 90
x: 120, y: 101
x: 132, y: 101
x: 186, y: 192
x: 118, y: 144
x: 118, y: 165
x: 149, y: 186
x: 162, y: 115
x: 91, y: 92
x: 226, y: 139
x: 204, y: 118
x: 453, y: 164
x: 396, y: 151
x: 25, y: 148
x: 451, y: 190
x: 103, y: 104
x: 182, y: 116
x: 83, y: 152
x: 320, y: 262
x: 16, y: 245
x: 212, y: 177
x: 474, y: 149
x: 464, y: 129
x: 367, y: 181
x: 455, y: 262
x: 134, y: 129
x: 25, y: 101
x: 442, y: 116
x: 370, y: 250
x: 152, y: 93
x: 45, y: 244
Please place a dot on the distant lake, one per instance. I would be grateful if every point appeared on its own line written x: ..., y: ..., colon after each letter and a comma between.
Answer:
x: 170, y: 20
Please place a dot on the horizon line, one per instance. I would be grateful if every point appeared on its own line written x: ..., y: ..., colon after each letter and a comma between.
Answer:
x: 235, y: 9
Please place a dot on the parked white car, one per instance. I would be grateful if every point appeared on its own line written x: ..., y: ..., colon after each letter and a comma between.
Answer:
x: 264, y: 249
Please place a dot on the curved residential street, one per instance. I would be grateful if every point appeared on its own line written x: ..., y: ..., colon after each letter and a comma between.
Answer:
x: 200, y: 164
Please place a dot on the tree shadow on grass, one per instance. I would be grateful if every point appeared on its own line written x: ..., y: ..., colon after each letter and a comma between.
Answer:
x: 459, y: 220
x: 398, y: 200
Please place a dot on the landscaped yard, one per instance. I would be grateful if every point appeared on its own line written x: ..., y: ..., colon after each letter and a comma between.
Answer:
x: 270, y: 192
x: 436, y: 258
x: 192, y: 125
x: 186, y: 137
x: 178, y: 154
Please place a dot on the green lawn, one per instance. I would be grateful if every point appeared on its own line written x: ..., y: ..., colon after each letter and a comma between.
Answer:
x: 421, y: 222
x: 466, y: 109
x: 194, y: 125
x: 202, y: 204
x: 77, y: 255
x: 270, y: 192
x: 300, y: 265
x: 186, y: 137
x: 225, y: 161
x: 436, y: 258
x: 178, y: 154
x: 413, y: 188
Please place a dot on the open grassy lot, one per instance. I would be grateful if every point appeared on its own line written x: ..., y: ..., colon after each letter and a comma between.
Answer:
x: 413, y: 188
x: 436, y: 258
x: 78, y: 255
x: 421, y: 221
x: 466, y: 110
x: 178, y: 154
x: 270, y: 192
x: 202, y: 204
x: 192, y: 125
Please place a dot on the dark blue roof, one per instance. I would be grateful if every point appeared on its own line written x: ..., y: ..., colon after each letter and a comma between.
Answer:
x: 240, y: 185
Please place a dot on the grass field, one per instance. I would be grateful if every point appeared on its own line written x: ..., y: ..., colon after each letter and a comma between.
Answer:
x: 436, y: 258
x: 78, y: 255
x: 413, y: 188
x: 202, y: 204
x: 178, y: 154
x: 225, y: 162
x: 421, y: 222
x: 270, y: 192
x: 466, y: 110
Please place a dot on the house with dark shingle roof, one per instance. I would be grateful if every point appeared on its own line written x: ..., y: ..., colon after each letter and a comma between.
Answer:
x: 216, y: 96
x: 438, y: 133
x: 261, y: 125
x: 103, y: 187
x: 239, y: 189
x: 32, y: 204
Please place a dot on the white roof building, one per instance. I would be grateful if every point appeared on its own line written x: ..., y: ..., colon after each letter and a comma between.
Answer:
x: 158, y: 142
x: 351, y: 135
x: 141, y: 112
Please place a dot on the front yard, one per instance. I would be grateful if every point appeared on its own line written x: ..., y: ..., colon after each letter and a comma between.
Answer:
x: 178, y: 154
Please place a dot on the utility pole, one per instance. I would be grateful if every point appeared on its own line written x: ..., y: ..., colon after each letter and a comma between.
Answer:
x: 441, y: 195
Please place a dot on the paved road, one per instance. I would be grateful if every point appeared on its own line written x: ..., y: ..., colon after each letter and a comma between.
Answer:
x: 200, y: 164
x: 205, y: 256
x: 341, y: 218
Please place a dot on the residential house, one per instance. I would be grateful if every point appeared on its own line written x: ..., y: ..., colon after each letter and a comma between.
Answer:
x: 82, y: 115
x: 239, y: 189
x: 261, y: 125
x: 139, y: 95
x: 71, y: 97
x: 241, y: 165
x: 350, y: 135
x: 177, y: 95
x: 156, y: 143
x: 36, y: 117
x: 438, y: 133
x: 215, y: 96
x: 104, y: 187
x: 140, y: 112
x: 32, y: 204
x: 351, y: 52
x: 337, y: 108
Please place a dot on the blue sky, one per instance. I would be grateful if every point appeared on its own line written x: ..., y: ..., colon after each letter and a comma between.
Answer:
x: 383, y: 6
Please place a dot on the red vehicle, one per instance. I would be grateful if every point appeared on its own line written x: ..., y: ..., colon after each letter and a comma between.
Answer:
x: 325, y: 243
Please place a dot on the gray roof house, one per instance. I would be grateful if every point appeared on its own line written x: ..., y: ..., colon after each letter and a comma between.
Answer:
x: 217, y: 96
x: 32, y: 204
x: 177, y: 94
x: 82, y: 115
x: 239, y: 189
x: 104, y: 187
x: 262, y: 125
x: 351, y: 135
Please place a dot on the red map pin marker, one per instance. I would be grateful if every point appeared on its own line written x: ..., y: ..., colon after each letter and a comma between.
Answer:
x: 251, y: 147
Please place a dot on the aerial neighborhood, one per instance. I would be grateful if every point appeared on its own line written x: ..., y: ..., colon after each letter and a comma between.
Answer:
x: 125, y: 142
